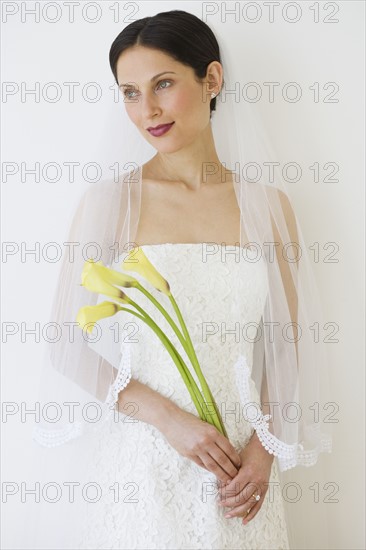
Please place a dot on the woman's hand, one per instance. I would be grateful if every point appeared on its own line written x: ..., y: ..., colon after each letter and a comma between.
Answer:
x: 252, y: 478
x: 203, y: 443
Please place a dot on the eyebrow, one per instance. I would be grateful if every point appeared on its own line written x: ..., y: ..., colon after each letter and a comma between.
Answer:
x: 151, y: 79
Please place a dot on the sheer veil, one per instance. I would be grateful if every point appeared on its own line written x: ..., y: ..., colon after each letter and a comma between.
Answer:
x: 82, y: 376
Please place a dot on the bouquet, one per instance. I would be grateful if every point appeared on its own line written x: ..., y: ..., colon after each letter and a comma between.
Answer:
x: 103, y: 280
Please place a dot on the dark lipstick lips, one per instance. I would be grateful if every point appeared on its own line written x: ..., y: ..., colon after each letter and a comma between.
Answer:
x: 159, y: 126
x: 160, y: 129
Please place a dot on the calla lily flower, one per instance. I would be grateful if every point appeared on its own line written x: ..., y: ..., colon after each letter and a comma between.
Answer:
x: 137, y: 261
x: 112, y: 276
x: 98, y: 278
x: 89, y: 315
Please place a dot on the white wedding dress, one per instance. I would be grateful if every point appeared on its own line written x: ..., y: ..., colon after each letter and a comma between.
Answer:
x: 153, y: 498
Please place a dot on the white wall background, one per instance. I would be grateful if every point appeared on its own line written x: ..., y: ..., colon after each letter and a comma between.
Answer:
x: 40, y: 131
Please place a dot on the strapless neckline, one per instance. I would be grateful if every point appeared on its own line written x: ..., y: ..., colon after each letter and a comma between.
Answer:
x: 246, y: 253
x: 199, y: 244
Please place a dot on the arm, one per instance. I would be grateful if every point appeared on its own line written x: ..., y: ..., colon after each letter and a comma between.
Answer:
x: 152, y: 407
x: 287, y: 274
x: 185, y: 432
x: 290, y: 288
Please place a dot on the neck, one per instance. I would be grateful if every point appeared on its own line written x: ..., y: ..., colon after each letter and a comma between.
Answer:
x: 193, y: 167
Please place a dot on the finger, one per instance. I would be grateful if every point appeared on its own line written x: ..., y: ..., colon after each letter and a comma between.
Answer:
x: 237, y: 511
x: 245, y: 486
x: 229, y: 450
x: 198, y: 461
x: 238, y: 493
x: 244, y: 509
x: 252, y: 512
x: 214, y: 467
x: 222, y: 460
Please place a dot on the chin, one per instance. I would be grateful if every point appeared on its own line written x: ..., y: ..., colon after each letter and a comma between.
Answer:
x: 166, y: 148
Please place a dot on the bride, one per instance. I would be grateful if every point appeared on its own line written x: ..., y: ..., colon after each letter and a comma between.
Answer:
x: 204, y: 227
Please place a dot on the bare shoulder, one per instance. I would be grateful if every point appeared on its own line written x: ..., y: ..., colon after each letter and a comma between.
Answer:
x: 288, y: 211
x: 278, y: 203
x: 272, y: 194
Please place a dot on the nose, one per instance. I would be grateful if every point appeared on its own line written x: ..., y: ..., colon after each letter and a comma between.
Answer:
x: 149, y: 106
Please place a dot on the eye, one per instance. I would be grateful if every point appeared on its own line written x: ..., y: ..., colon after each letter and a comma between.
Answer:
x: 164, y: 81
x: 128, y: 91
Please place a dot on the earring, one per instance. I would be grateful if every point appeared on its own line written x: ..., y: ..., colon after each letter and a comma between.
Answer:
x: 213, y: 95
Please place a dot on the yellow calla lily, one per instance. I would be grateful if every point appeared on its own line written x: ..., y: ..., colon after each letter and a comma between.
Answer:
x: 91, y: 314
x: 136, y: 260
x: 96, y: 278
x: 112, y: 276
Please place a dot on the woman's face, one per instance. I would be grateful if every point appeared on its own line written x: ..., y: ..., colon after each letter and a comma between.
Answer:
x: 158, y: 90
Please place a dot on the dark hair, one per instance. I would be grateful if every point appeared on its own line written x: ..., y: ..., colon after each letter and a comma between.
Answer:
x: 178, y: 33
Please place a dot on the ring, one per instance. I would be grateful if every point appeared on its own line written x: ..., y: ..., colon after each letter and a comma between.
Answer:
x: 257, y: 497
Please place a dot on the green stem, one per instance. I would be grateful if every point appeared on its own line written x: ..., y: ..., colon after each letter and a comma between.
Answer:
x: 177, y: 358
x: 165, y: 313
x: 192, y: 354
x: 186, y: 342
